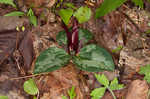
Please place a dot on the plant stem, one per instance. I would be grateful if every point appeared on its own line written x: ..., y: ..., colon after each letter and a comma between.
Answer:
x: 112, y: 93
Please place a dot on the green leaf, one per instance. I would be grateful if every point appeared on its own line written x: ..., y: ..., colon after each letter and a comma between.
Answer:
x: 30, y: 12
x: 83, y: 14
x: 15, y: 13
x: 33, y: 20
x: 32, y: 17
x: 93, y: 58
x: 148, y: 24
x: 147, y: 77
x: 65, y: 15
x: 70, y: 5
x: 51, y: 59
x: 146, y: 71
x: 138, y: 3
x: 98, y: 93
x: 64, y: 97
x: 3, y: 97
x: 30, y: 87
x: 117, y: 49
x: 61, y: 38
x: 84, y: 36
x: 34, y: 97
x: 72, y: 93
x: 108, y: 6
x: 10, y: 2
x: 115, y: 86
x: 59, y: 2
x: 102, y: 79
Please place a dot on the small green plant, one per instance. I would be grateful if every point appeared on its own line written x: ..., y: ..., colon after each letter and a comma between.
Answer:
x: 9, y: 2
x: 146, y: 71
x: 90, y: 58
x: 3, y: 97
x: 29, y: 14
x: 117, y: 49
x: 71, y: 93
x: 31, y: 88
x: 82, y: 14
x: 64, y: 97
x: 32, y: 17
x: 113, y: 85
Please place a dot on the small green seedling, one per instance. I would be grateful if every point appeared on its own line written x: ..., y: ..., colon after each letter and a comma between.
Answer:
x: 113, y: 85
x: 71, y: 93
x: 146, y: 71
x: 32, y: 17
x: 30, y: 87
x: 9, y: 2
x: 117, y: 49
x: 64, y: 97
x: 29, y: 14
x: 3, y: 97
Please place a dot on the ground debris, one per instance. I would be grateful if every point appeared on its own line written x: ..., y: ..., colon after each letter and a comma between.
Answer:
x: 138, y: 89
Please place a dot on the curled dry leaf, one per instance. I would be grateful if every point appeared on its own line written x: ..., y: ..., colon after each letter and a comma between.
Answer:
x: 11, y: 40
x: 26, y: 49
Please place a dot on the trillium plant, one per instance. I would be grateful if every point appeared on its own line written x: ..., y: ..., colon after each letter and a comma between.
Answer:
x: 92, y: 58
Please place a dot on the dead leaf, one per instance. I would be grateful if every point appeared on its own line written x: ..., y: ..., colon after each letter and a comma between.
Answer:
x: 26, y: 49
x: 11, y: 41
x: 7, y: 44
x: 137, y: 90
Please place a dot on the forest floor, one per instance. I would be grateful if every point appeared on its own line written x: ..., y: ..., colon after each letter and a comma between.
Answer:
x: 124, y: 27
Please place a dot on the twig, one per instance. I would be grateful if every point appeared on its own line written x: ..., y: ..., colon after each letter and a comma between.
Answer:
x: 17, y: 78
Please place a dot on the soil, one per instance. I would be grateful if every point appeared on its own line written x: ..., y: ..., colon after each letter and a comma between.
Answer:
x: 123, y: 27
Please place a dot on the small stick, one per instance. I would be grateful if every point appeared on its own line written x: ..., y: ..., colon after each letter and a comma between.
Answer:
x: 17, y: 78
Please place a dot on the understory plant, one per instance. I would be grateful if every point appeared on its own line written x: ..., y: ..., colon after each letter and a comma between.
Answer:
x: 110, y: 86
x: 9, y: 2
x: 73, y: 41
x: 30, y: 14
x: 145, y: 70
x: 31, y: 88
x: 71, y: 93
